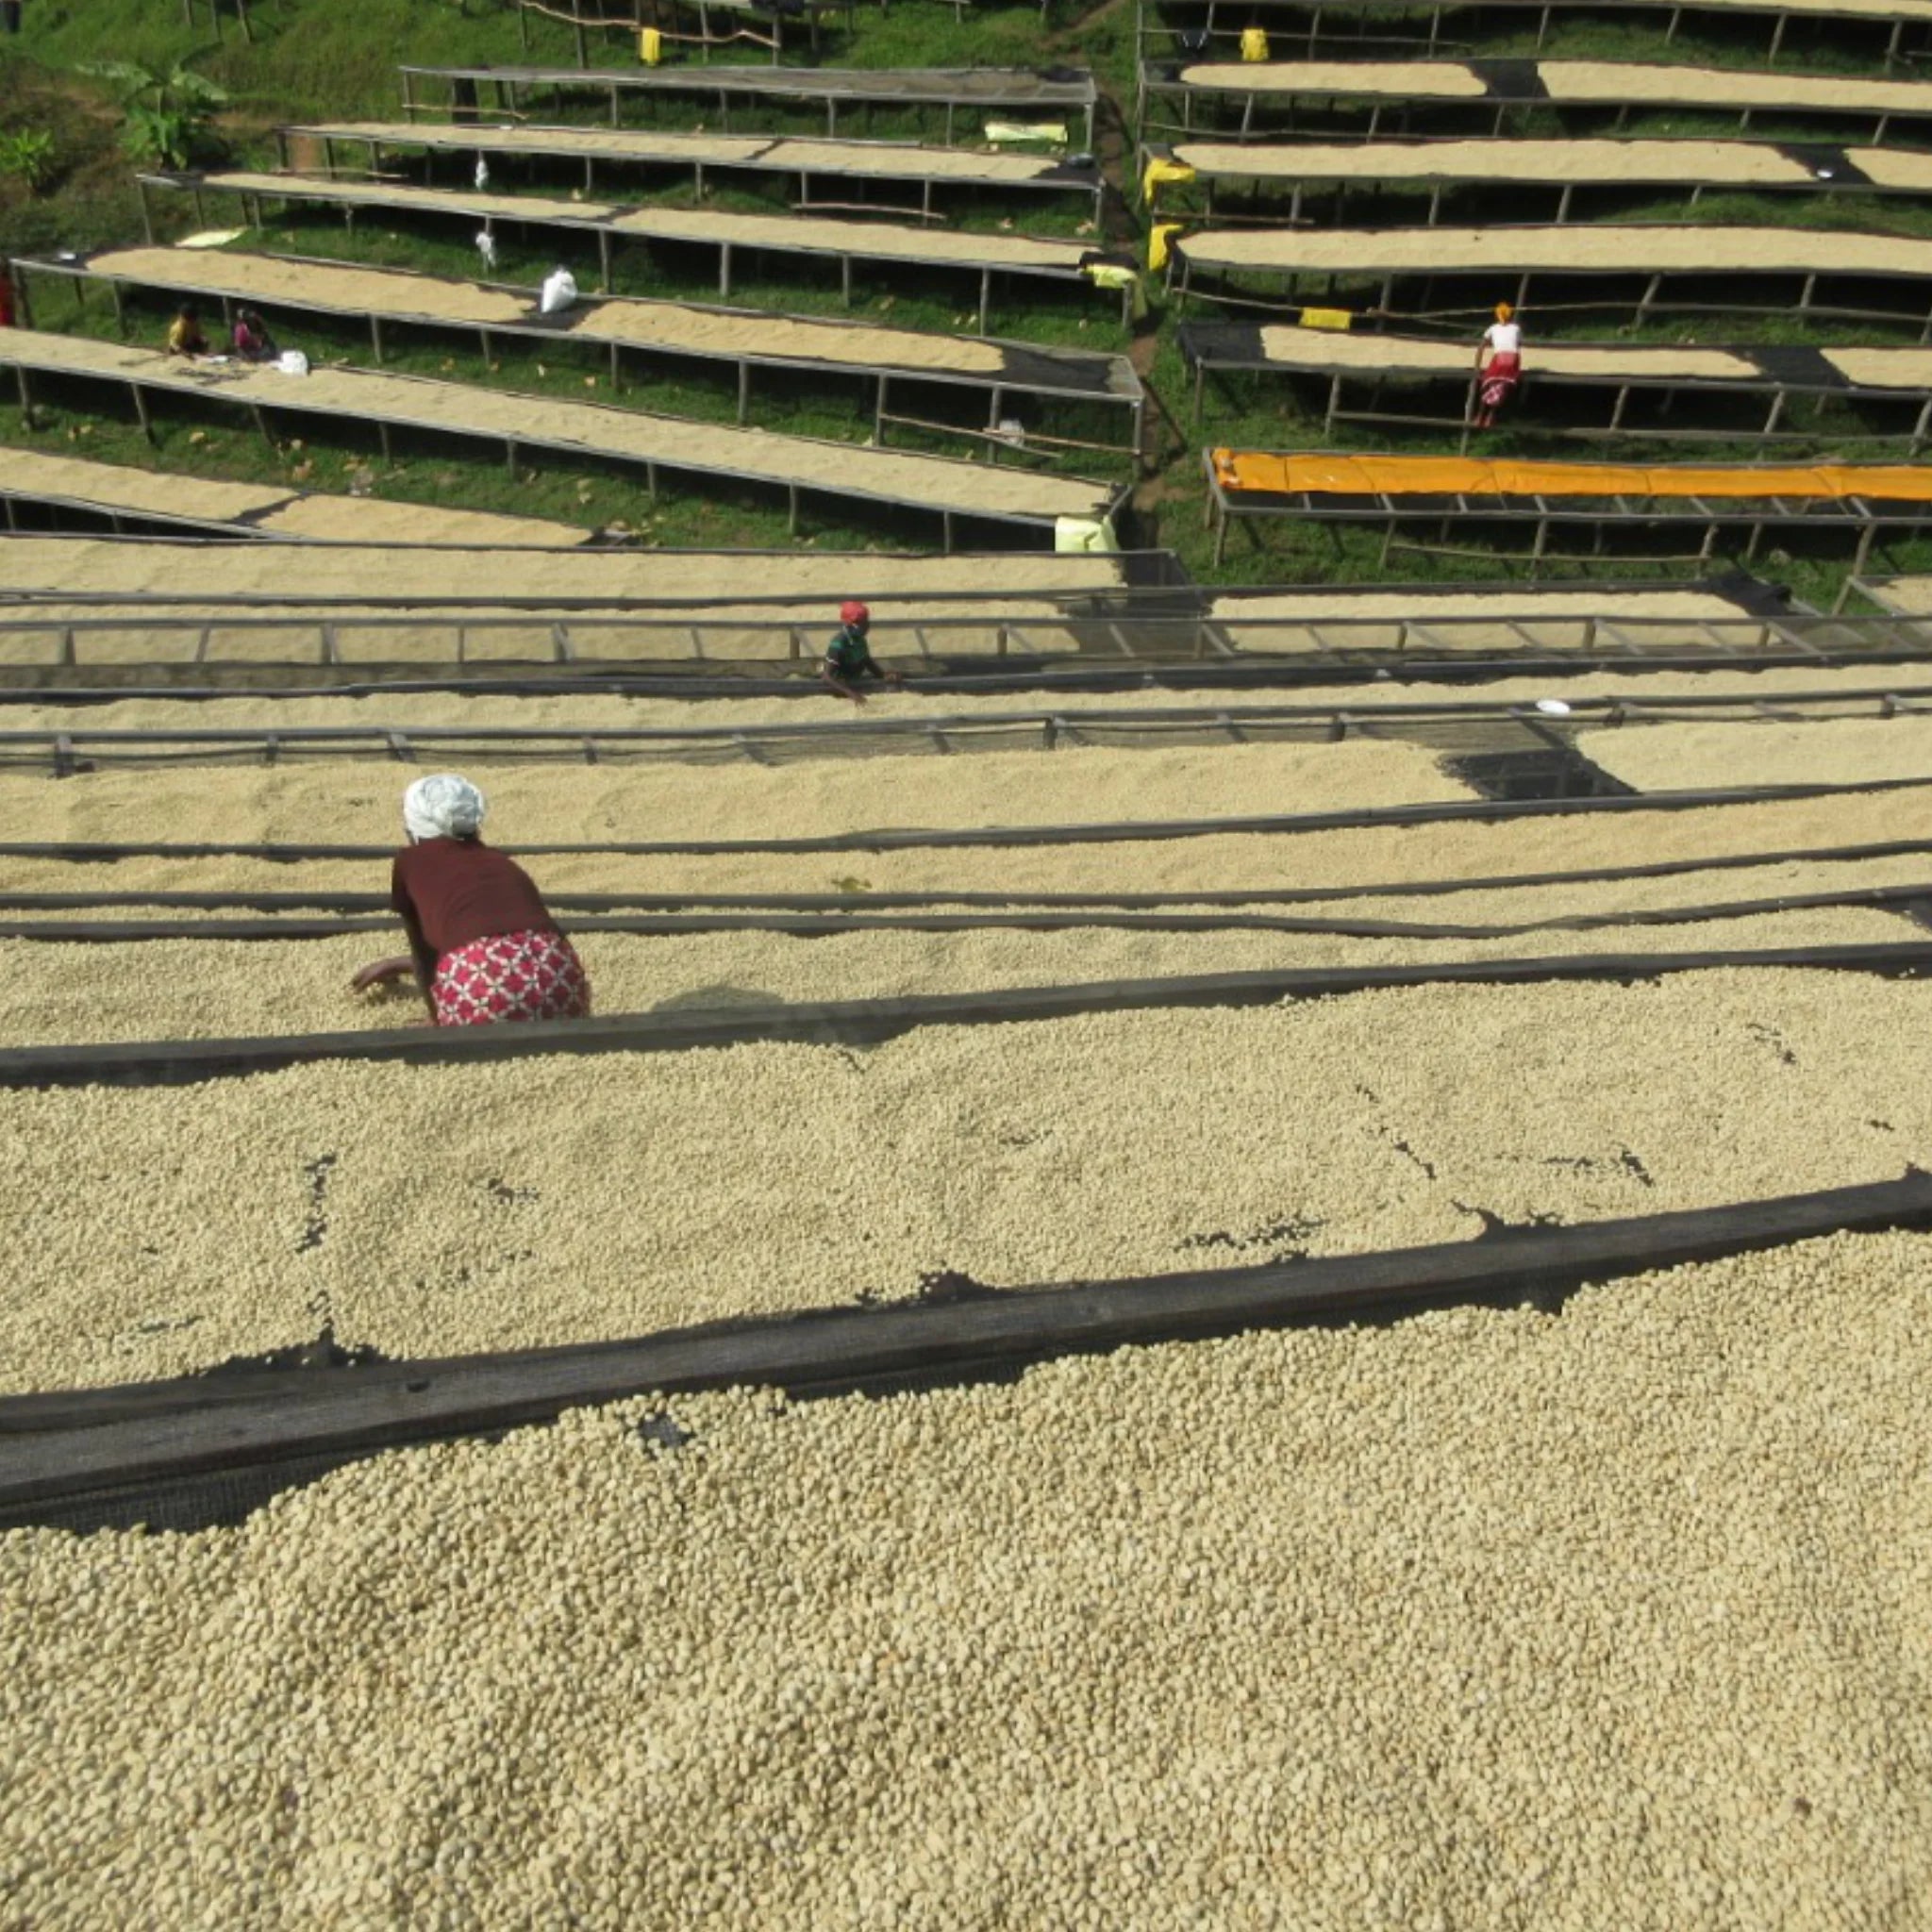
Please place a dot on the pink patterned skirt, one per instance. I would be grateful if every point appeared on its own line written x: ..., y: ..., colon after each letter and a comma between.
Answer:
x: 1500, y: 379
x: 514, y: 975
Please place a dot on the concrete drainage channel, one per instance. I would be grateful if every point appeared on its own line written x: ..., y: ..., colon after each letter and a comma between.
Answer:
x: 204, y: 1450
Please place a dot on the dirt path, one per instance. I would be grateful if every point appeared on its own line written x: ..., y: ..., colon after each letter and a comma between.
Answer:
x: 1113, y: 143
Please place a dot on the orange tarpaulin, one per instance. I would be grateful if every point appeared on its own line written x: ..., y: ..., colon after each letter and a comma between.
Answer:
x: 1246, y: 470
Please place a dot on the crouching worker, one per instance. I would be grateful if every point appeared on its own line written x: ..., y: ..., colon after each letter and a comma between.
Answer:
x: 848, y: 656
x: 482, y: 945
x: 251, y: 340
x: 185, y: 336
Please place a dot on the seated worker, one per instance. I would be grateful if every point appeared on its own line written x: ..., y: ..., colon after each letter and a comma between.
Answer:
x: 482, y: 945
x: 848, y: 656
x: 184, y: 334
x: 252, y: 340
x: 1498, y: 365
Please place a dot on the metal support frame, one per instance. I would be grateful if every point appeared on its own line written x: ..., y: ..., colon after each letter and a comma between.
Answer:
x: 720, y: 85
x: 1142, y: 636
x: 1241, y: 724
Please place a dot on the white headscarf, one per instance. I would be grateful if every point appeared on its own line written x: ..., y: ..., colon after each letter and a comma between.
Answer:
x: 442, y: 807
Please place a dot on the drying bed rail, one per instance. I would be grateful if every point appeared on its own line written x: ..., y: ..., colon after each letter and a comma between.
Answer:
x: 72, y: 747
x: 948, y: 89
x: 1820, y: 273
x: 1561, y: 181
x: 116, y: 576
x: 1056, y: 679
x: 1117, y: 832
x: 271, y: 900
x: 1488, y: 96
x: 1096, y: 644
x: 865, y: 1022
x: 1913, y: 900
x: 709, y: 155
x: 843, y: 242
x: 89, y: 1457
x: 1192, y: 26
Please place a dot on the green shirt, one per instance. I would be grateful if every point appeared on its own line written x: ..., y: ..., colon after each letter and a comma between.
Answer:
x: 848, y: 655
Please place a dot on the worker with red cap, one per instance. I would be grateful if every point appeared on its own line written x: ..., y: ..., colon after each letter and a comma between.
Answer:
x: 848, y: 656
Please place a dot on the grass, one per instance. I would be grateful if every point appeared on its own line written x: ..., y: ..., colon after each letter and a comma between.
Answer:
x: 315, y: 62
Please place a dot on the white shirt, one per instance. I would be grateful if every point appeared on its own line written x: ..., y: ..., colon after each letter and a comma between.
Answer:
x: 1506, y: 338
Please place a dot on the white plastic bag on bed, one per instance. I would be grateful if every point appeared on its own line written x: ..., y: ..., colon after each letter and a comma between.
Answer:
x: 293, y: 362
x: 559, y: 292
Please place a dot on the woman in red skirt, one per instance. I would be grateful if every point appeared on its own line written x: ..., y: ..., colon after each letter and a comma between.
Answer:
x: 482, y: 945
x: 1498, y: 365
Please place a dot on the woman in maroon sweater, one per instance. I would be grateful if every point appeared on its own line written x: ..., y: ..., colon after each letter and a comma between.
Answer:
x: 482, y: 945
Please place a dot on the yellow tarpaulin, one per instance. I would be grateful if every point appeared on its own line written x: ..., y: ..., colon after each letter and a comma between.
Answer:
x: 1159, y: 171
x: 1253, y: 44
x: 1114, y: 274
x: 650, y: 46
x: 1246, y: 470
x: 1079, y: 535
x: 1157, y: 239
x: 1329, y: 318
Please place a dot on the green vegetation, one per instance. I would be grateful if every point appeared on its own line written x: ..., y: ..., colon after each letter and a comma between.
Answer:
x: 27, y: 153
x: 178, y: 92
x: 170, y: 115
